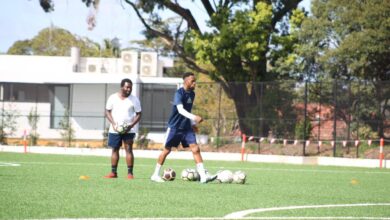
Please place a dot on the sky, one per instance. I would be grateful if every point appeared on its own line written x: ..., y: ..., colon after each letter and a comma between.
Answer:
x: 23, y: 19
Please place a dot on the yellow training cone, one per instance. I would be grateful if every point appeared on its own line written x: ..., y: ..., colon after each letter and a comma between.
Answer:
x: 84, y: 177
x: 354, y: 181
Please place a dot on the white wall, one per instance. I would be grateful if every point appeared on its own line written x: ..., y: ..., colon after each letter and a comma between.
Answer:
x: 22, y: 110
x: 88, y: 90
x: 43, y: 64
x: 88, y: 106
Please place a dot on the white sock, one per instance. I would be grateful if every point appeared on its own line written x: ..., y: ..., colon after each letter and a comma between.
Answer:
x: 157, y: 170
x: 201, y: 170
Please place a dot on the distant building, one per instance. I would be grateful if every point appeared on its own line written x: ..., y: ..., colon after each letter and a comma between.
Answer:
x: 80, y: 86
x: 322, y: 121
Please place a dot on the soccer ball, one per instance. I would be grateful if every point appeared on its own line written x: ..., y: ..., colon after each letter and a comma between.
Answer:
x: 224, y: 176
x: 187, y: 175
x: 122, y: 128
x: 239, y: 177
x: 169, y: 174
x: 190, y: 175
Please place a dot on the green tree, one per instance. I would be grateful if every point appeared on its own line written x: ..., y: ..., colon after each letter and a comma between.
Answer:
x: 8, y: 123
x: 235, y: 49
x: 21, y: 47
x: 110, y: 48
x: 159, y: 45
x: 348, y: 40
x: 33, y: 119
x: 67, y: 131
x: 54, y: 41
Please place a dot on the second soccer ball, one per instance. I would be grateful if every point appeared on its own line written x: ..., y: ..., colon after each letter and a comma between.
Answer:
x: 190, y: 175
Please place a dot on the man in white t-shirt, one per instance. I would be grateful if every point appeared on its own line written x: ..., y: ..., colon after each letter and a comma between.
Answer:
x: 123, y: 111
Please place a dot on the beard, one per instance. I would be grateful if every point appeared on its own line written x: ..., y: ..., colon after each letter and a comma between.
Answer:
x: 126, y: 93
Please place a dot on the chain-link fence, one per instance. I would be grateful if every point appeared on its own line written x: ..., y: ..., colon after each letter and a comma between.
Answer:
x: 334, y: 118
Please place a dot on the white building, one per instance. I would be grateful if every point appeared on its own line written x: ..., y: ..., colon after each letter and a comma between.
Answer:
x: 53, y: 84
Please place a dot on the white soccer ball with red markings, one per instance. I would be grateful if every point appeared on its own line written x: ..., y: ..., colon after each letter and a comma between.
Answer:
x: 239, y: 177
x: 169, y: 174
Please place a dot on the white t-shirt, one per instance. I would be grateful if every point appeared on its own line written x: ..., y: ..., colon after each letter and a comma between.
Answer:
x: 123, y: 111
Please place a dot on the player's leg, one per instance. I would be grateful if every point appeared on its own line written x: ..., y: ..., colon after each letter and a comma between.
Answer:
x: 160, y: 162
x: 199, y: 162
x: 163, y: 156
x: 196, y: 153
x: 114, y: 141
x: 128, y: 140
x: 171, y: 140
x: 190, y: 140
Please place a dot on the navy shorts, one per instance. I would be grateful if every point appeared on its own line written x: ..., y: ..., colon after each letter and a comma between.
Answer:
x: 175, y: 137
x: 115, y: 140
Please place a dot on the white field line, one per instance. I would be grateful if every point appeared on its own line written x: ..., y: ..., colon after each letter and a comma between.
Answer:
x: 244, y: 213
x: 308, y: 170
x: 243, y: 218
x: 7, y: 164
x: 215, y: 156
x: 213, y: 167
x: 320, y: 218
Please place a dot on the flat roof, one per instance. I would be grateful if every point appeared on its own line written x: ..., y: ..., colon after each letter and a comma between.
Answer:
x: 57, y: 70
x: 80, y: 78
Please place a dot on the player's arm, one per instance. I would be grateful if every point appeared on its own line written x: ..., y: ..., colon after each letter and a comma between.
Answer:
x: 110, y: 118
x: 194, y: 118
x: 136, y: 119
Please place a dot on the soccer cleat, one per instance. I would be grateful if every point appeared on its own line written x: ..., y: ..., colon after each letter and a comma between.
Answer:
x: 157, y: 179
x: 130, y: 176
x: 208, y: 178
x: 111, y: 175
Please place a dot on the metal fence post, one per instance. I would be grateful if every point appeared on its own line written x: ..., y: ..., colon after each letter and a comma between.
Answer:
x: 319, y: 120
x: 334, y: 115
x: 304, y: 121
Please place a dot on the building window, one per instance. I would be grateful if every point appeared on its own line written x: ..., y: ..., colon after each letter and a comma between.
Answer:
x: 24, y: 92
x: 156, y: 101
x: 60, y: 107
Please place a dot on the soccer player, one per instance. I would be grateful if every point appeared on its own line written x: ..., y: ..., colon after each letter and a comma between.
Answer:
x: 123, y: 111
x: 182, y: 128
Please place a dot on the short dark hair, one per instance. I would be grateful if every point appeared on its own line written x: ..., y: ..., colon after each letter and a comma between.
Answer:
x: 187, y: 74
x: 126, y: 80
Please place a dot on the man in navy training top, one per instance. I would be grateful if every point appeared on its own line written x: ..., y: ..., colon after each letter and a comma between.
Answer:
x: 181, y: 126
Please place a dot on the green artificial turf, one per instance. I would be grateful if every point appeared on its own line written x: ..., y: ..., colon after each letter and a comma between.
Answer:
x: 49, y: 186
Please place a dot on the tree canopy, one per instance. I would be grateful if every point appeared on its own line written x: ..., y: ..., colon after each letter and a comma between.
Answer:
x: 346, y: 40
x: 249, y: 42
x: 55, y: 41
x: 349, y: 40
x: 237, y: 49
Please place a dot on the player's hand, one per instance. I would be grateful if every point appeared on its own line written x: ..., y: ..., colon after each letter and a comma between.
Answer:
x: 115, y: 126
x: 198, y: 119
x: 128, y: 128
x: 195, y: 128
